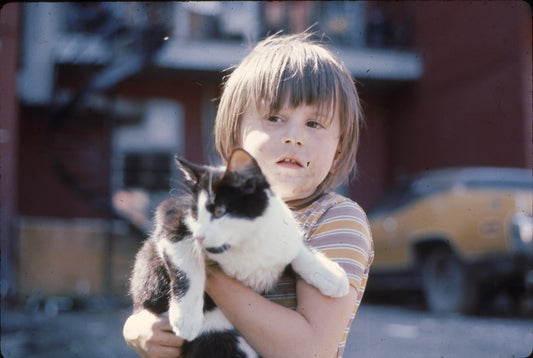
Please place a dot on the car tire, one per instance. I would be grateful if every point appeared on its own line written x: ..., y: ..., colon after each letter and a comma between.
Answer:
x: 446, y: 285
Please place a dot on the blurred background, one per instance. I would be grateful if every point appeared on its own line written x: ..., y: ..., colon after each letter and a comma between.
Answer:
x: 97, y: 98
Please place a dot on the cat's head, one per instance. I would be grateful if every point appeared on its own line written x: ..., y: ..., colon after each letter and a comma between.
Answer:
x: 225, y: 199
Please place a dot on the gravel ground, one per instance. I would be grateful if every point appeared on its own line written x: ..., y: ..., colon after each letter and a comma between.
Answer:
x: 82, y: 333
x: 57, y: 329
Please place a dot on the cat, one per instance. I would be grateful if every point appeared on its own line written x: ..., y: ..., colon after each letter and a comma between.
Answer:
x: 232, y: 217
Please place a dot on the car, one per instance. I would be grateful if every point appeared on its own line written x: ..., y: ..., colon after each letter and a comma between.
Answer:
x: 456, y: 234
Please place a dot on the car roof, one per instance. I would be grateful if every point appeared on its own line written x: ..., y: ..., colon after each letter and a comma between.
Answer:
x: 434, y: 181
x: 477, y: 176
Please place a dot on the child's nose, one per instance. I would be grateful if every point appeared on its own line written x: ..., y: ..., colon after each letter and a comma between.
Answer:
x: 292, y: 136
x: 292, y: 140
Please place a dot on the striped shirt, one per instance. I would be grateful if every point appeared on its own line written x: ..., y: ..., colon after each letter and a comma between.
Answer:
x: 339, y: 228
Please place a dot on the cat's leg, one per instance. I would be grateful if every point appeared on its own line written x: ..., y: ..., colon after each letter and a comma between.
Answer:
x: 318, y: 270
x: 150, y: 281
x: 186, y: 267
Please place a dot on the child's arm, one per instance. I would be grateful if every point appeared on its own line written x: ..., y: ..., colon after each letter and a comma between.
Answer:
x: 313, y: 330
x: 151, y: 335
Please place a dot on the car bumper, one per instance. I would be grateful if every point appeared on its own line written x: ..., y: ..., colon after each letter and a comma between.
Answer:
x: 515, y: 270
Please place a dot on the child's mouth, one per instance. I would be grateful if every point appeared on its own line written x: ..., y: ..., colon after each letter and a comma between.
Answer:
x: 290, y: 163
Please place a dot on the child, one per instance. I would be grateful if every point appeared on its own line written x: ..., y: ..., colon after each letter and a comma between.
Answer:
x: 294, y: 107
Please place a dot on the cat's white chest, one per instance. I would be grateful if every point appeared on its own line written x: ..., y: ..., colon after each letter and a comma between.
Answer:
x: 260, y: 264
x: 260, y: 248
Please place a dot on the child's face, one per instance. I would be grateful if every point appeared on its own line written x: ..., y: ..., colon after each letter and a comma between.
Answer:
x: 295, y: 148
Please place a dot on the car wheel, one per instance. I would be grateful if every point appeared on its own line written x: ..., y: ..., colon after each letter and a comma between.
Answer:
x: 446, y: 285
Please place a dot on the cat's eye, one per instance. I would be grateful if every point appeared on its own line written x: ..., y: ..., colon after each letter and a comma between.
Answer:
x: 219, y: 211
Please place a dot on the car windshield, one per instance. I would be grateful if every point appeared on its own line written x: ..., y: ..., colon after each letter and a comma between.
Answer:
x: 398, y: 196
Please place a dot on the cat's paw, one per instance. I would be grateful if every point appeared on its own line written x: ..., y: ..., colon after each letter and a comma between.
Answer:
x: 186, y: 321
x: 326, y: 275
x: 318, y: 270
x: 333, y: 282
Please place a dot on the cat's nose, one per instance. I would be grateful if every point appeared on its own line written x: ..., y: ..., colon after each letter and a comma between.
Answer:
x: 200, y: 239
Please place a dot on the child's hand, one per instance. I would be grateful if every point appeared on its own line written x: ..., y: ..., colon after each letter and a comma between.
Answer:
x: 151, y: 336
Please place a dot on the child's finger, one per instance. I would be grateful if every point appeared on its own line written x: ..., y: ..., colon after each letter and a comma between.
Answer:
x: 167, y: 336
x: 162, y: 323
x: 165, y: 352
x: 169, y: 339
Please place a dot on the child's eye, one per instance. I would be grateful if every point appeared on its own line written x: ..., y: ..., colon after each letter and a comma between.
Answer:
x: 314, y: 124
x: 274, y: 119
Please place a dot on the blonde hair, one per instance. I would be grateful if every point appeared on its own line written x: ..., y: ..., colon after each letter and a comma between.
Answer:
x: 301, y: 68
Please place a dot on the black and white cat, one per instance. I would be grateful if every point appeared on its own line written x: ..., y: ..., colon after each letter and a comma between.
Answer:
x: 233, y: 218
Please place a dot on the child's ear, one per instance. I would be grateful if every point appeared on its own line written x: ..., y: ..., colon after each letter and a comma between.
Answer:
x: 335, y: 162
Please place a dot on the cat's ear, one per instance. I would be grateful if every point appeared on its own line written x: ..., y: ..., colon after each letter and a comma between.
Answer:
x: 244, y: 172
x: 191, y: 172
x: 243, y: 163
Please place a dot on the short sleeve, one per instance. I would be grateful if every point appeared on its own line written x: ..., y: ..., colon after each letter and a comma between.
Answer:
x: 342, y: 233
x: 338, y: 227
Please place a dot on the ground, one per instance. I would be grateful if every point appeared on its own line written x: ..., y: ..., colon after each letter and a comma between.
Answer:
x: 94, y: 331
x: 405, y: 329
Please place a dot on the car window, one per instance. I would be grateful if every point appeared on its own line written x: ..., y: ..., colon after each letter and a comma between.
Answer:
x: 427, y: 186
x: 395, y: 198
x: 517, y: 184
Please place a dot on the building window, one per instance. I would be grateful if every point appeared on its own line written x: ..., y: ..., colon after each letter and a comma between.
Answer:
x: 150, y: 171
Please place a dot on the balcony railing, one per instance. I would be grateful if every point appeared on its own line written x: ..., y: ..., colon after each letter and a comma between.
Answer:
x: 374, y: 38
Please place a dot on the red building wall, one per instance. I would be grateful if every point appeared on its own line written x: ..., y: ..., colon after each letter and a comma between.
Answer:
x: 9, y: 59
x: 63, y: 172
x: 473, y: 104
x: 185, y: 88
x: 472, y: 107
